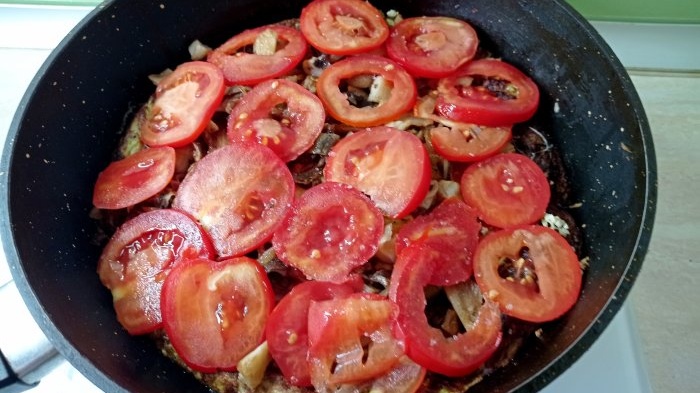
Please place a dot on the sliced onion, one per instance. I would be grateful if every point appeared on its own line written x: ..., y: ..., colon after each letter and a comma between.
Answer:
x: 252, y: 367
x: 466, y: 299
x: 266, y: 43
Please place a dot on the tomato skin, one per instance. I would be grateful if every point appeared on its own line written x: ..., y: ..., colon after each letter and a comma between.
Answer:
x: 214, y: 313
x: 240, y: 193
x: 304, y: 117
x: 403, y: 90
x: 455, y: 356
x: 452, y: 229
x: 134, y: 179
x: 507, y: 190
x: 287, y: 327
x: 476, y: 104
x: 139, y: 256
x: 432, y: 47
x: 241, y: 68
x: 183, y: 105
x: 343, y: 27
x: 336, y: 330
x: 332, y: 229
x: 557, y: 269
x: 474, y: 143
x: 389, y: 165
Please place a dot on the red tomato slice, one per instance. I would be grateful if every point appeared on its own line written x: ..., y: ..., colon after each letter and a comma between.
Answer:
x: 469, y: 144
x: 283, y: 48
x: 452, y: 228
x: 343, y: 27
x: 394, y: 91
x: 432, y: 47
x: 452, y: 356
x: 287, y: 327
x: 507, y: 190
x: 134, y: 179
x: 240, y: 193
x: 531, y: 272
x: 140, y: 255
x: 351, y: 340
x: 389, y: 165
x: 406, y: 377
x: 489, y: 92
x: 183, y: 105
x: 214, y: 313
x: 332, y: 229
x: 279, y: 114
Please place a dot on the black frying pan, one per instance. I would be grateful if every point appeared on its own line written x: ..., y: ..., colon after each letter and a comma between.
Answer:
x: 67, y: 127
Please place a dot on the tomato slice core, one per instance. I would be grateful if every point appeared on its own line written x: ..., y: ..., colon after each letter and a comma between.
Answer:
x: 332, y: 229
x: 283, y: 49
x: 432, y: 47
x: 343, y: 27
x: 394, y: 91
x: 214, y: 313
x: 287, y: 328
x: 279, y: 114
x: 452, y: 229
x: 139, y: 256
x: 351, y: 340
x: 405, y: 377
x: 389, y: 165
x: 489, y: 92
x: 183, y: 105
x: 134, y: 179
x: 469, y: 143
x: 507, y: 190
x: 531, y: 272
x: 240, y: 193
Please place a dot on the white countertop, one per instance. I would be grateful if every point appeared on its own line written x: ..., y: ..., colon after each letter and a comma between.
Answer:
x: 616, y: 362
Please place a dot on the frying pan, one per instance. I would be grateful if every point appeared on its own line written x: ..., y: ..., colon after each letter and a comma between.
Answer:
x: 68, y: 125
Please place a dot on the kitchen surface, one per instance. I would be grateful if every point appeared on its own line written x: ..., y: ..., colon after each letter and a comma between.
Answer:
x: 653, y: 344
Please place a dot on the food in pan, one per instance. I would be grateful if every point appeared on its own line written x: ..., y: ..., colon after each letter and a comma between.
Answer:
x: 347, y: 201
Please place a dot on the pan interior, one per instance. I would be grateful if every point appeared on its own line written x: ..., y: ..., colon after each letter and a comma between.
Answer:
x: 68, y: 125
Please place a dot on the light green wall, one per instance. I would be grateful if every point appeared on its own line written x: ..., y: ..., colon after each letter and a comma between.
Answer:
x: 656, y: 11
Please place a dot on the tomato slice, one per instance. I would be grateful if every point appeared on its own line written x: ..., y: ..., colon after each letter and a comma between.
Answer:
x: 470, y: 143
x: 280, y: 114
x: 343, y: 27
x: 406, y: 377
x: 351, y: 340
x: 456, y: 355
x: 287, y: 327
x: 183, y: 105
x: 507, y: 190
x: 452, y: 228
x: 240, y: 193
x: 432, y: 47
x: 531, y: 272
x: 332, y: 229
x: 389, y: 165
x: 134, y: 179
x: 277, y: 49
x: 214, y: 313
x: 139, y: 256
x: 393, y: 91
x: 488, y: 92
